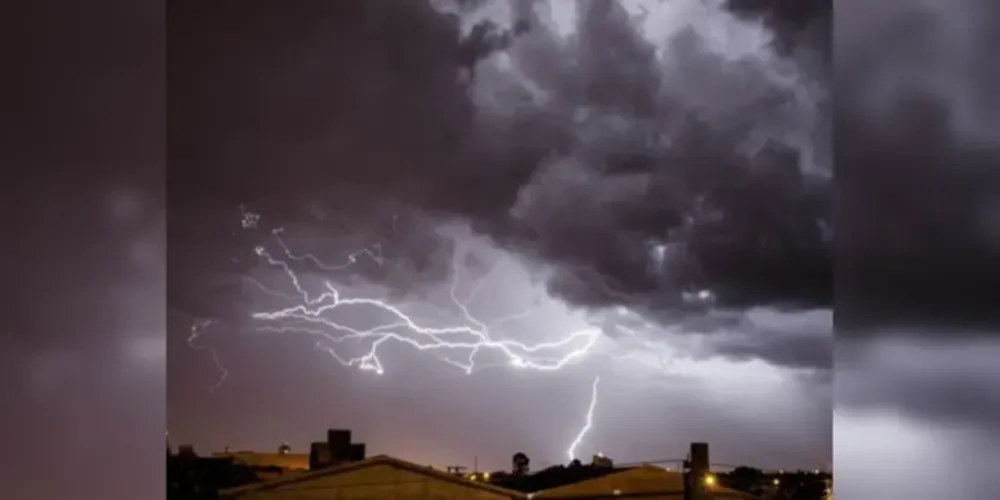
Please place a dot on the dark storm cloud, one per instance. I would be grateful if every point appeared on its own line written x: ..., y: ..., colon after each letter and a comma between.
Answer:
x: 811, y: 350
x: 917, y: 143
x: 944, y: 383
x: 372, y: 108
x: 653, y: 157
x: 933, y: 401
x: 792, y: 339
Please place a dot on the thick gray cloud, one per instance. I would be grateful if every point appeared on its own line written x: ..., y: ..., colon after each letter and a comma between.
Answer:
x: 907, y: 409
x: 916, y: 144
x: 641, y: 165
x: 916, y: 147
x: 943, y: 382
x: 798, y: 340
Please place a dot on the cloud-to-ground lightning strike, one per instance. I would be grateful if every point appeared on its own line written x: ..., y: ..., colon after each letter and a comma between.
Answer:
x: 588, y: 422
x: 197, y: 330
x: 312, y: 315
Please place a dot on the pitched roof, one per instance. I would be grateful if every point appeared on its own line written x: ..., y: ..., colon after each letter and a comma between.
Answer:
x: 370, y: 462
x: 641, y: 481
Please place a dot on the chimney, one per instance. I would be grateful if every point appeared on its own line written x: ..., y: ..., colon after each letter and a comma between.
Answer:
x: 357, y: 452
x: 339, y: 441
x: 699, y: 471
x: 699, y: 457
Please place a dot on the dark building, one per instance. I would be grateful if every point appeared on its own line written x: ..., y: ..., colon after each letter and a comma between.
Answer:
x: 190, y: 477
x: 550, y: 477
x: 336, y: 450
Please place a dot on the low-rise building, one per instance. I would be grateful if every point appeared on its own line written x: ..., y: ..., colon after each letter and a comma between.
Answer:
x: 648, y: 482
x: 379, y: 477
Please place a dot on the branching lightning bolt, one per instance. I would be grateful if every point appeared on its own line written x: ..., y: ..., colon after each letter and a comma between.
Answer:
x: 311, y: 314
x: 315, y: 312
x: 197, y: 329
x: 248, y: 219
x: 588, y: 421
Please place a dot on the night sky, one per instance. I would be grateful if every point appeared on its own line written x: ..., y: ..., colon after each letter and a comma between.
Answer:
x: 649, y: 195
x: 591, y: 175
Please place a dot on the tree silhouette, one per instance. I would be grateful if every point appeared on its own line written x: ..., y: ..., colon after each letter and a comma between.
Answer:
x: 521, y: 463
x: 746, y: 479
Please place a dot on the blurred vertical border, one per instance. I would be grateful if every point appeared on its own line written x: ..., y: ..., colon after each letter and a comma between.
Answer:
x: 916, y: 149
x: 82, y: 342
